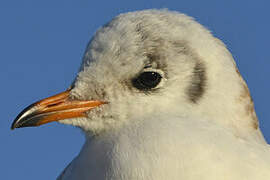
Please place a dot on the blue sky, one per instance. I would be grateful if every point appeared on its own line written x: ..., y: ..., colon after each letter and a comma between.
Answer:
x: 41, y: 47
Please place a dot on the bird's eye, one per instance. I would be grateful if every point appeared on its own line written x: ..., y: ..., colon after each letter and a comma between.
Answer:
x: 147, y: 80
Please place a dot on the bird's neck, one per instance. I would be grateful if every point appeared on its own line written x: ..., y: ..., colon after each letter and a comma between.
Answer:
x: 157, y: 144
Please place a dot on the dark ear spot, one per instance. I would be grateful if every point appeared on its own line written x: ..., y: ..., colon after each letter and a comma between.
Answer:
x: 198, y: 83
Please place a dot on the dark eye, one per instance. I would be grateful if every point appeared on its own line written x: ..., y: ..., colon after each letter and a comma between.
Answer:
x: 147, y: 80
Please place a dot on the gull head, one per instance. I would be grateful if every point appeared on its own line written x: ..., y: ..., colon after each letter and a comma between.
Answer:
x: 145, y: 64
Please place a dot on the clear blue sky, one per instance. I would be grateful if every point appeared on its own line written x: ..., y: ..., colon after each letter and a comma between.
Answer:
x: 41, y: 46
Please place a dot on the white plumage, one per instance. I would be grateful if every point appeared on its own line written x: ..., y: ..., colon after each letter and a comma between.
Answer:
x: 197, y: 123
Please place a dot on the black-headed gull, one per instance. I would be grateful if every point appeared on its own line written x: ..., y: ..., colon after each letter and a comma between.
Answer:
x: 159, y: 98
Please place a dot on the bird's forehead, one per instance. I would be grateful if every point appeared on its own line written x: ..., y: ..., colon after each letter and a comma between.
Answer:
x: 136, y: 41
x: 113, y: 46
x: 157, y: 39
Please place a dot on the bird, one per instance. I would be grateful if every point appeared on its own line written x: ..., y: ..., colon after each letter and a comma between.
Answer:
x: 158, y: 97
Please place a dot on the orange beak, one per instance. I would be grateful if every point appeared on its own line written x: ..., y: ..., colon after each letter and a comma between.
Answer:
x: 55, y: 108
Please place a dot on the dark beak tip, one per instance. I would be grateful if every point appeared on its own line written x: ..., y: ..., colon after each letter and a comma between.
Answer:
x: 14, y: 125
x: 23, y: 122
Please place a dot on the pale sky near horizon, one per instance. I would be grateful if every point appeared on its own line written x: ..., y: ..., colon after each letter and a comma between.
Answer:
x: 42, y: 44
